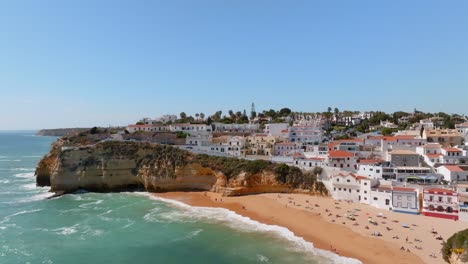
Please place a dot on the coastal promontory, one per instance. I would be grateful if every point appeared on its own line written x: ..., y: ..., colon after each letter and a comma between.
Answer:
x: 116, y: 165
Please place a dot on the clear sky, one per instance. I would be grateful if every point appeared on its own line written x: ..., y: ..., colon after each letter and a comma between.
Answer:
x: 85, y: 63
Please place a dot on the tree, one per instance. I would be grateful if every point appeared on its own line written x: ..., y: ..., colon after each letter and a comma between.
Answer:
x: 197, y: 115
x: 202, y: 116
x: 386, y: 131
x: 284, y: 111
x: 337, y: 111
x: 93, y: 130
x: 231, y: 114
x: 253, y: 115
x: 238, y: 115
x: 183, y: 115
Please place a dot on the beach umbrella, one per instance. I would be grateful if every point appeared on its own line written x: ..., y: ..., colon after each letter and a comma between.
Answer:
x: 405, y: 225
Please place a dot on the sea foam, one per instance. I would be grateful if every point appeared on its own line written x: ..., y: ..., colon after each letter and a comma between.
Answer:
x: 243, y: 223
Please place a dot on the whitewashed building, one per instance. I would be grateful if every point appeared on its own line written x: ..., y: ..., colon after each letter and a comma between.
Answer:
x: 277, y: 129
x: 146, y: 128
x: 454, y: 173
x: 240, y: 128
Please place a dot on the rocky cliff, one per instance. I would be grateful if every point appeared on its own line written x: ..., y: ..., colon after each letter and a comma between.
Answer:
x: 60, y: 132
x: 120, y: 165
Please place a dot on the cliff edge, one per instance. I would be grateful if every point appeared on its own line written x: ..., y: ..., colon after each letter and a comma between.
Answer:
x: 123, y: 165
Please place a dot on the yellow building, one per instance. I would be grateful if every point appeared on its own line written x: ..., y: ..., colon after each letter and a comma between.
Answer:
x: 259, y: 144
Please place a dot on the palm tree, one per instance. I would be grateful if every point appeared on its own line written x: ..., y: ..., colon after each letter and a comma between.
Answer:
x: 197, y: 115
x: 202, y: 116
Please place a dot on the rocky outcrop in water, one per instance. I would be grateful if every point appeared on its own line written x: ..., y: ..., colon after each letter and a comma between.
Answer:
x: 122, y: 165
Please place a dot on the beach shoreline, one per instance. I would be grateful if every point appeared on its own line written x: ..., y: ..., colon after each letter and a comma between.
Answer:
x: 288, y: 210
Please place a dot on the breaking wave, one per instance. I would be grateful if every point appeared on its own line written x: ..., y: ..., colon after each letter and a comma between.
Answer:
x: 239, y: 222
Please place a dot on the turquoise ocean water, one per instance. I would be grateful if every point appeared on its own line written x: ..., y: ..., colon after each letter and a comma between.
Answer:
x: 125, y: 227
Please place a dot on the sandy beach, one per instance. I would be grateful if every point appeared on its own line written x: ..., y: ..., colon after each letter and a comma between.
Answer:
x: 322, y: 221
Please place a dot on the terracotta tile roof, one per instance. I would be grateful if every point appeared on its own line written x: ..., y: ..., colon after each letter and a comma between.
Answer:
x: 452, y: 150
x: 453, y: 168
x: 315, y: 158
x: 361, y: 178
x: 339, y: 154
x: 297, y: 155
x: 333, y: 144
x: 440, y: 190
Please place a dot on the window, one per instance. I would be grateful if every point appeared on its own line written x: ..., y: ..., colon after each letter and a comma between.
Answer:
x: 349, y: 190
x: 365, y: 183
x: 449, y: 199
x: 334, y: 188
x: 339, y: 189
x: 344, y: 189
x: 387, y: 202
x: 375, y: 198
x: 431, y: 198
x: 440, y: 199
x: 348, y: 180
x: 365, y: 191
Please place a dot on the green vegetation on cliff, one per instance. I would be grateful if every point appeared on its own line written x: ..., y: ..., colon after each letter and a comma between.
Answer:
x: 456, y: 245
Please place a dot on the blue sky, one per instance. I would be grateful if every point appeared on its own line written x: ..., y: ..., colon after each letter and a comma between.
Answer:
x: 85, y: 63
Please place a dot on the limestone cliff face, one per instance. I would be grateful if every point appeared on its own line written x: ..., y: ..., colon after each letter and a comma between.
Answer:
x: 114, y: 166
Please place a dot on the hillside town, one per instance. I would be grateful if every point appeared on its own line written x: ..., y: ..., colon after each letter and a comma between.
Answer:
x: 415, y: 163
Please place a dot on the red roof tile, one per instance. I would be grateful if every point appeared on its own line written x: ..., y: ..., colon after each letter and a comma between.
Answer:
x: 452, y: 150
x: 453, y: 168
x: 340, y: 154
x: 440, y: 190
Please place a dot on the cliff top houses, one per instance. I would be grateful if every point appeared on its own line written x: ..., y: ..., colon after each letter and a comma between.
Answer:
x: 396, y: 172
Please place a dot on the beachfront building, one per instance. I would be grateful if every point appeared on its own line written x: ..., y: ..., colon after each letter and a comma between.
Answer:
x: 147, y: 128
x: 441, y: 203
x: 239, y: 128
x: 286, y: 148
x: 405, y: 200
x: 260, y: 144
x: 445, y: 137
x: 454, y: 173
x: 341, y: 159
x: 348, y: 186
x: 462, y: 190
x: 380, y: 197
x: 305, y: 135
x: 402, y: 157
